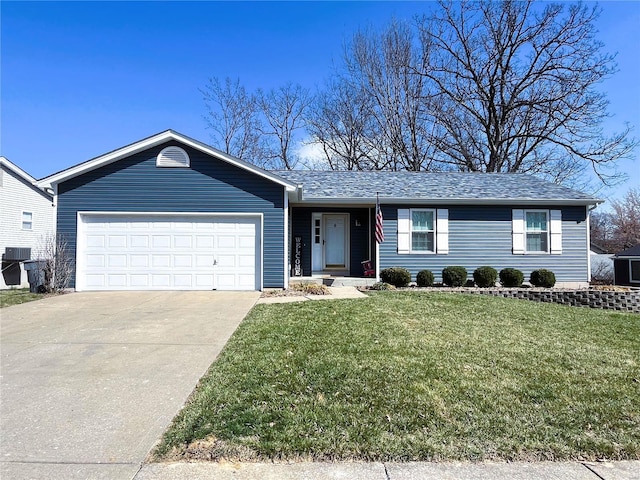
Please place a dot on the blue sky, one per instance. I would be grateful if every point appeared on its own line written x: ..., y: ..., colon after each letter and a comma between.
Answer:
x: 80, y: 79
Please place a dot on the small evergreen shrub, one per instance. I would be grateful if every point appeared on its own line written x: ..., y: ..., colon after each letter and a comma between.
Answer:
x: 424, y: 278
x: 454, y: 276
x: 381, y: 286
x: 485, y: 276
x: 511, y: 277
x: 543, y: 278
x: 396, y: 276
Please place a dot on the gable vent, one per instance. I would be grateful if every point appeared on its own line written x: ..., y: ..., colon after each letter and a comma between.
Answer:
x: 172, y: 157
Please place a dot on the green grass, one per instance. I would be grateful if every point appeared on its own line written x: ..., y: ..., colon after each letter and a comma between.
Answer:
x: 418, y: 376
x: 17, y: 296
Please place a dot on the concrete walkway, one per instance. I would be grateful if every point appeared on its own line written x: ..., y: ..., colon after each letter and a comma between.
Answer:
x: 629, y: 470
x: 91, y: 380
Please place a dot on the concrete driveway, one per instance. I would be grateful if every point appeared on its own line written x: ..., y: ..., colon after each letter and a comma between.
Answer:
x: 91, y: 380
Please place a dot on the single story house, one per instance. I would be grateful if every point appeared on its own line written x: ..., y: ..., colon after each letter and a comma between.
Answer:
x: 170, y: 212
x: 26, y: 222
x: 626, y: 266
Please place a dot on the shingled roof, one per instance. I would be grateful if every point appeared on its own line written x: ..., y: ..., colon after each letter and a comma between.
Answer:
x: 452, y: 187
x: 630, y: 252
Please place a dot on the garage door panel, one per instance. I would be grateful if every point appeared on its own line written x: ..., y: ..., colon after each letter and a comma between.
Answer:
x: 183, y: 241
x: 181, y: 261
x: 122, y: 252
x: 139, y: 281
x: 117, y: 280
x: 117, y: 261
x: 138, y: 261
x: 161, y: 241
x: 97, y: 241
x: 204, y: 242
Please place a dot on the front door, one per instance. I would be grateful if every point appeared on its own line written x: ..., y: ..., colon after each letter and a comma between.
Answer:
x: 335, y: 241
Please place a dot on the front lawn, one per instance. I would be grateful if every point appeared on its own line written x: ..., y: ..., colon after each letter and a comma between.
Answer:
x: 418, y: 376
x: 16, y: 296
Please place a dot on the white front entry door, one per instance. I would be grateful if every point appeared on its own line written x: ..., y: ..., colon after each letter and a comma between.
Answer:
x: 335, y: 248
x: 168, y: 252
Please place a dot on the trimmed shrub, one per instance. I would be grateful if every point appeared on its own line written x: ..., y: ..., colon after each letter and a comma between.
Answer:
x: 454, y: 276
x: 424, y: 278
x: 543, y: 278
x: 511, y: 277
x: 381, y: 286
x: 396, y: 276
x: 485, y: 276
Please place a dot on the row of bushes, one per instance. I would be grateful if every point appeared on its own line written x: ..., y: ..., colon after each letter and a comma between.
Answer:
x: 457, y: 277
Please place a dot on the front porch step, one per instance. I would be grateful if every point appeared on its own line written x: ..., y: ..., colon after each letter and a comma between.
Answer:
x: 349, y: 281
x: 330, y: 281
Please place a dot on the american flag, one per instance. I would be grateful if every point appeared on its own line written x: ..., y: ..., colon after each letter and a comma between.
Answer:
x: 379, y: 228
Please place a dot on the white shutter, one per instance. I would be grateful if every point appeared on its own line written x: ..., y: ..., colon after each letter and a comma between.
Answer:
x: 555, y: 231
x: 442, y: 230
x: 517, y: 231
x: 404, y: 230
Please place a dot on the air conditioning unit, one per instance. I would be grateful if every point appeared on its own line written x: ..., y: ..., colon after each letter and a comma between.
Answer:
x: 16, y: 254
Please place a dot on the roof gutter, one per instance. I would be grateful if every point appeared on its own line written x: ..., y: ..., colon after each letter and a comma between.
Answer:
x: 449, y: 201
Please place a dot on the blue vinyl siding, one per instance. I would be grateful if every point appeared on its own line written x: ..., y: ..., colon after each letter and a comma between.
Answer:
x: 135, y: 184
x: 481, y: 235
x: 359, y: 235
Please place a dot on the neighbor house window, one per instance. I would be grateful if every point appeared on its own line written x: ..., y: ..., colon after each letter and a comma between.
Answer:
x: 423, y: 231
x: 537, y: 231
x: 27, y: 221
x: 634, y: 271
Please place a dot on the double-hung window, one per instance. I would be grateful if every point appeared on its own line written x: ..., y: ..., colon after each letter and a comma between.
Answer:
x: 537, y: 231
x: 423, y: 231
x: 27, y: 221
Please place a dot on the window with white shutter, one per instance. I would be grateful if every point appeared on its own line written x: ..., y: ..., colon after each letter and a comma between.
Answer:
x: 423, y: 230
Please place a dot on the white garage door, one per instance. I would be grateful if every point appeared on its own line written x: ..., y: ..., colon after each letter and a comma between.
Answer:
x: 168, y: 252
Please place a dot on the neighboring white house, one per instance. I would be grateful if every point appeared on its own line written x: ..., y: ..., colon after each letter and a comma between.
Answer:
x: 26, y: 218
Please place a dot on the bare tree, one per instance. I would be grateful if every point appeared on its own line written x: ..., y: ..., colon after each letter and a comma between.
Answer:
x: 626, y: 220
x: 58, y: 262
x: 516, y: 89
x: 232, y: 115
x: 338, y: 121
x: 283, y: 109
x: 387, y: 67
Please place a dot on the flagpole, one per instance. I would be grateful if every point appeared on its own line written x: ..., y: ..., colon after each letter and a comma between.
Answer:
x: 377, y: 244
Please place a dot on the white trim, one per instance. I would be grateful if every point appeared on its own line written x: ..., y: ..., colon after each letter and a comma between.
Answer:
x: 4, y: 161
x: 631, y: 280
x: 153, y: 141
x: 427, y: 201
x: 403, y: 240
x: 555, y: 232
x: 80, y: 237
x: 9, y: 165
x: 442, y: 231
x: 547, y: 231
x: 435, y: 239
x: 317, y: 250
x: 30, y: 222
x: 517, y: 232
x: 287, y: 266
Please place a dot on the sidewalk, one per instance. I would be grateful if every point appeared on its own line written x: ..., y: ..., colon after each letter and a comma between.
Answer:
x: 624, y: 470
